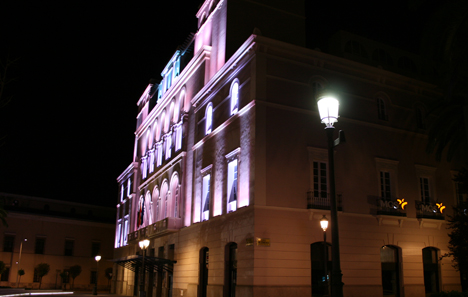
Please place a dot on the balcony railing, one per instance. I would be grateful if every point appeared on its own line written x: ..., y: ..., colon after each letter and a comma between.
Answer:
x: 430, y: 210
x: 167, y: 225
x: 391, y: 206
x: 314, y: 202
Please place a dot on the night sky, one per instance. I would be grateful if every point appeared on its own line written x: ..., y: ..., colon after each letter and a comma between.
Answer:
x: 81, y: 69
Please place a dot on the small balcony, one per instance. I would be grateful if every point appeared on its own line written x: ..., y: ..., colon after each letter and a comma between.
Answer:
x: 317, y: 202
x: 430, y: 210
x: 391, y: 206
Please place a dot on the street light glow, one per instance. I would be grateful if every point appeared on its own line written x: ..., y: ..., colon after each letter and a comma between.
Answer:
x: 328, y: 107
x: 324, y: 223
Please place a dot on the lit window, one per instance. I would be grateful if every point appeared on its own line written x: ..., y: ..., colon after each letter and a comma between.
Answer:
x: 144, y: 167
x: 178, y: 136
x: 232, y: 180
x: 129, y: 187
x: 141, y: 212
x: 171, y: 111
x: 234, y: 97
x: 122, y: 191
x: 148, y: 209
x: 118, y: 234
x: 175, y: 189
x: 205, y: 206
x: 209, y: 118
x: 159, y: 148
x: 157, y: 206
x: 125, y: 231
x: 232, y: 186
x: 168, y: 144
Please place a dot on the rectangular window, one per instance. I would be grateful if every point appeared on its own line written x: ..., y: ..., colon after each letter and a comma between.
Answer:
x: 95, y: 248
x: 425, y: 190
x: 8, y: 243
x: 125, y: 231
x: 93, y: 279
x: 40, y: 245
x: 69, y: 245
x: 151, y: 161
x: 117, y: 236
x: 178, y: 136
x: 205, y: 214
x: 168, y: 142
x: 159, y: 154
x: 385, y: 188
x: 232, y: 186
x: 5, y: 274
x: 320, y: 180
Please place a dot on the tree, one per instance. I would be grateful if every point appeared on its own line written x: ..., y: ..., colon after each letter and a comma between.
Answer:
x: 20, y: 273
x: 41, y: 270
x: 64, y: 277
x: 446, y: 41
x: 74, y: 271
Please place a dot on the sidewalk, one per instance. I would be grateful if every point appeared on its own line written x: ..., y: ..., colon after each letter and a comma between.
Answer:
x: 11, y: 292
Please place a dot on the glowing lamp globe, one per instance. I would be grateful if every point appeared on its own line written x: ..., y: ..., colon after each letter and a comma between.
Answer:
x: 144, y: 244
x: 328, y: 107
x: 97, y: 258
x: 324, y: 223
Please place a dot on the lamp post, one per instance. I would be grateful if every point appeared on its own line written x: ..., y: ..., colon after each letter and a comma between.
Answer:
x: 324, y: 226
x: 328, y: 108
x: 97, y: 258
x: 143, y: 245
x: 19, y: 261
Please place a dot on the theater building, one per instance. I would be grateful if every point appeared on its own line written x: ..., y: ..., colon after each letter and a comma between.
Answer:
x: 229, y: 181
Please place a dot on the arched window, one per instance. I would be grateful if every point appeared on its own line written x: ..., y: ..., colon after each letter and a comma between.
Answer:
x: 184, y: 101
x: 163, y: 200
x: 203, y: 271
x: 171, y: 112
x: 431, y: 270
x: 176, y: 111
x: 164, y: 122
x: 390, y: 261
x: 230, y: 269
x: 149, y: 209
x: 320, y: 258
x: 208, y: 118
x: 175, y: 194
x: 381, y: 109
x: 157, y: 204
x: 234, y: 94
x: 141, y: 212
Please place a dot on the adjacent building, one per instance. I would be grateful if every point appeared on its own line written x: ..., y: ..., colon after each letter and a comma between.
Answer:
x: 229, y: 179
x: 60, y: 233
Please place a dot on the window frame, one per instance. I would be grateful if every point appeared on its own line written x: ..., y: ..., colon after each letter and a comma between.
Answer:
x: 234, y: 97
x: 230, y: 158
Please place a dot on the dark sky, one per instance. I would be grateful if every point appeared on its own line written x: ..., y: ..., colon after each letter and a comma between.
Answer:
x: 81, y: 69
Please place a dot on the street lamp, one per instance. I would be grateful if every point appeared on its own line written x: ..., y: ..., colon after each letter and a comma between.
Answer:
x: 19, y: 261
x: 328, y: 107
x: 97, y: 258
x: 324, y: 226
x: 143, y: 245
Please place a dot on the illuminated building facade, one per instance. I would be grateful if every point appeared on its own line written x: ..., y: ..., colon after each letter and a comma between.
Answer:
x: 229, y: 173
x: 60, y: 233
